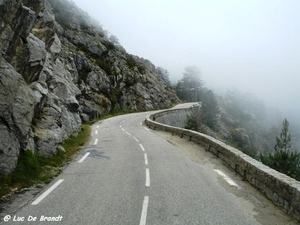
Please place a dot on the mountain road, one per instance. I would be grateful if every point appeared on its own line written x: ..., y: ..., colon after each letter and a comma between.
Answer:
x: 129, y: 174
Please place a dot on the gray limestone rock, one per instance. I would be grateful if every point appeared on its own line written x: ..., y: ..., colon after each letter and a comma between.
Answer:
x: 9, y: 149
x: 17, y: 103
x: 57, y: 70
x: 98, y: 81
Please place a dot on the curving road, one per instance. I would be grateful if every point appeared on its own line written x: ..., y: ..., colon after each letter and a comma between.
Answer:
x: 132, y: 175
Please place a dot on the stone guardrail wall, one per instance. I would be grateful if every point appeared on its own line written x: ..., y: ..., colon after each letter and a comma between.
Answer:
x: 173, y: 117
x: 283, y: 190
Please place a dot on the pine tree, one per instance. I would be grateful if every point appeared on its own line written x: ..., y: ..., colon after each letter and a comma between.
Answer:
x: 284, y: 142
x: 190, y: 86
x: 210, y: 110
x: 283, y: 160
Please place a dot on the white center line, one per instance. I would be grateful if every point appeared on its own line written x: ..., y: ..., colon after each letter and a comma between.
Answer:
x: 97, y: 126
x: 120, y: 126
x: 128, y: 133
x: 96, y: 131
x: 96, y: 141
x: 146, y: 159
x: 84, y: 157
x: 147, y: 177
x: 46, y: 193
x: 142, y: 147
x: 144, y: 211
x: 136, y: 139
x: 227, y: 179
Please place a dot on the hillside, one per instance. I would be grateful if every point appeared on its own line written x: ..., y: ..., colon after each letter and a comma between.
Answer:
x: 247, y: 123
x: 59, y: 69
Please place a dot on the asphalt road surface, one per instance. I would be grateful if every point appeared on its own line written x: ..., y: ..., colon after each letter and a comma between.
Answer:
x: 129, y: 174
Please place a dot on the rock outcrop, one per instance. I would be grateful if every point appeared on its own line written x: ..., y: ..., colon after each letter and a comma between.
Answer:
x: 57, y: 70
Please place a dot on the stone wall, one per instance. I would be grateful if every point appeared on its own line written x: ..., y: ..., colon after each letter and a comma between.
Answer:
x: 175, y: 117
x: 284, y: 191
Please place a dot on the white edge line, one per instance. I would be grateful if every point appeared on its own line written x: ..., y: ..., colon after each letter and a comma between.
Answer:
x: 147, y: 128
x: 147, y: 177
x: 142, y: 147
x: 96, y: 141
x: 84, y: 157
x: 227, y: 179
x: 146, y: 159
x: 144, y: 211
x: 46, y: 193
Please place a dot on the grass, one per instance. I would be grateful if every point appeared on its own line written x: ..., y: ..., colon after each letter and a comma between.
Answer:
x: 33, y: 169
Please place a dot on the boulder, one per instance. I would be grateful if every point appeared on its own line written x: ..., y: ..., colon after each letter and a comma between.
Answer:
x: 17, y: 103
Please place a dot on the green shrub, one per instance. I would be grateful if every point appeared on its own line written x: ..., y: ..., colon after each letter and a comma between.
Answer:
x: 109, y: 45
x: 129, y: 81
x: 104, y: 65
x: 32, y: 168
x: 28, y: 168
x: 115, y: 95
x: 191, y: 123
x: 131, y: 63
x: 142, y: 69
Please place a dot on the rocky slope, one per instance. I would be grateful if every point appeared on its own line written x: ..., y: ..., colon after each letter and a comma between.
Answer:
x: 57, y: 70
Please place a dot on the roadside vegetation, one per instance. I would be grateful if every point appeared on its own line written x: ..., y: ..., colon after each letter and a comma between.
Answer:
x: 283, y: 159
x: 33, y: 169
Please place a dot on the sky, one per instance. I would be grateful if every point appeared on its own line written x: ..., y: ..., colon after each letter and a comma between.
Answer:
x: 253, y: 45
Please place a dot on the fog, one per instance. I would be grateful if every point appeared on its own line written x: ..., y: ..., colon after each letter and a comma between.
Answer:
x: 252, y: 45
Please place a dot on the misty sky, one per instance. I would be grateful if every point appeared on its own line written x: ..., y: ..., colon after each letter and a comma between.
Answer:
x: 251, y: 45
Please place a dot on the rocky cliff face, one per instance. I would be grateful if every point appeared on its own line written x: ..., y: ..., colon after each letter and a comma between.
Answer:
x: 58, y: 69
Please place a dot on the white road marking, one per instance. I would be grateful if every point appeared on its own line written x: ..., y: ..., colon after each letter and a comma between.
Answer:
x: 123, y: 130
x: 142, y: 147
x: 227, y: 179
x: 97, y: 126
x: 128, y: 133
x: 144, y: 211
x: 96, y: 141
x: 136, y: 139
x: 147, y: 128
x: 120, y: 126
x: 147, y: 177
x: 146, y: 159
x: 46, y: 193
x: 84, y: 157
x: 96, y: 131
